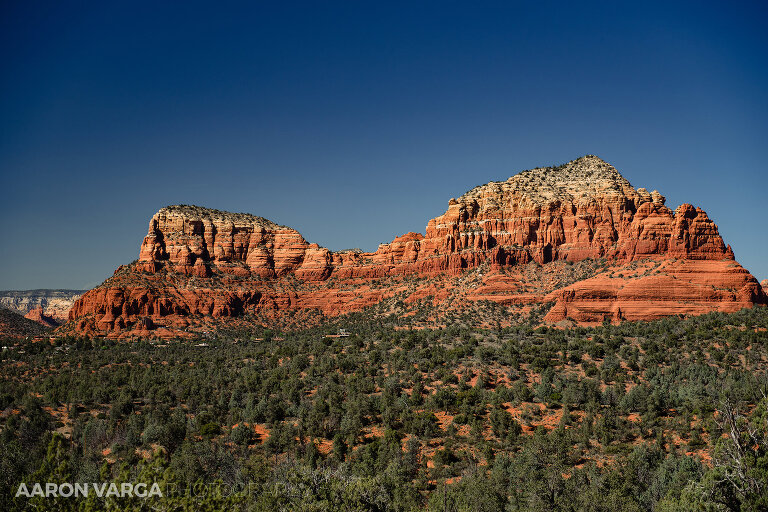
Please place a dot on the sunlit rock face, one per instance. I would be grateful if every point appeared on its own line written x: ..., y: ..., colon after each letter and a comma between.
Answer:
x: 198, y: 262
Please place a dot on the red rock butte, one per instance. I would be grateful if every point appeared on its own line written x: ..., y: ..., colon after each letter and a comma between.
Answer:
x: 197, y: 264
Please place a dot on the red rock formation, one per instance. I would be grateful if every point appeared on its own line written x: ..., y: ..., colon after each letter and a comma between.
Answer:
x: 39, y: 316
x: 201, y: 262
x: 659, y: 287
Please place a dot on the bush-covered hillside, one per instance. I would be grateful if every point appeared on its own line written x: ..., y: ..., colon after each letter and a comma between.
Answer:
x: 668, y: 415
x: 14, y: 325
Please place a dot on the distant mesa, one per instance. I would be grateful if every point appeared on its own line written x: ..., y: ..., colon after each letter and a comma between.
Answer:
x: 578, y: 236
x: 45, y: 306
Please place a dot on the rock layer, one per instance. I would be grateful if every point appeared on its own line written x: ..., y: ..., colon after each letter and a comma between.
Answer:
x: 655, y: 289
x: 200, y: 262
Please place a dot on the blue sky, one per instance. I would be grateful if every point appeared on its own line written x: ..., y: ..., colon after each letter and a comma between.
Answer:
x: 355, y: 122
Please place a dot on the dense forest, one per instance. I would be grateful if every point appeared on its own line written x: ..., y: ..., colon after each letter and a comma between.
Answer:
x: 665, y: 416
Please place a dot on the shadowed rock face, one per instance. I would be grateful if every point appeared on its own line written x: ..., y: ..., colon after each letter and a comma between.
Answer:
x: 38, y: 315
x: 199, y: 261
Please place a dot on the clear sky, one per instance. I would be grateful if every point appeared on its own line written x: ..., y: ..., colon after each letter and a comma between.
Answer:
x: 354, y: 122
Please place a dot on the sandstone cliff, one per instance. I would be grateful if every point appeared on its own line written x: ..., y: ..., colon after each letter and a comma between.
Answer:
x: 200, y: 263
x: 584, y: 209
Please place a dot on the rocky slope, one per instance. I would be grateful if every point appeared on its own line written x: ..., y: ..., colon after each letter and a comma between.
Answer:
x: 14, y: 325
x: 197, y: 264
x: 49, y: 307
